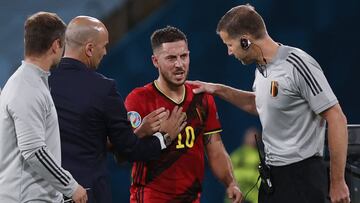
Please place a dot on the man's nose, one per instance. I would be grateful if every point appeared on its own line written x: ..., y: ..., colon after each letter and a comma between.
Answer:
x: 178, y: 62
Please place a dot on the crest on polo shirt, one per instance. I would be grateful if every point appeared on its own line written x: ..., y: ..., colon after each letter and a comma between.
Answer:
x: 274, y: 89
x: 134, y: 118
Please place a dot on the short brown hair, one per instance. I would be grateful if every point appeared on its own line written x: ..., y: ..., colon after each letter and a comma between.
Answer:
x: 242, y: 20
x: 41, y: 30
x: 167, y: 34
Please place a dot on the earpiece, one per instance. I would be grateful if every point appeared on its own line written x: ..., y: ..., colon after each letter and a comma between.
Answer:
x: 245, y: 43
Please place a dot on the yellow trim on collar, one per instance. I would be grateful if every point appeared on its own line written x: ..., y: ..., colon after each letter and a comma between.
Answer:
x: 182, y: 99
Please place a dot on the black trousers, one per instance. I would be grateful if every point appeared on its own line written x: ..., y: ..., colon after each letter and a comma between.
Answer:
x: 302, y: 182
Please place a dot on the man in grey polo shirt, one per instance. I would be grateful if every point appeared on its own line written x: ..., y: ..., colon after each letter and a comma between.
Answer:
x: 30, y: 158
x: 294, y: 101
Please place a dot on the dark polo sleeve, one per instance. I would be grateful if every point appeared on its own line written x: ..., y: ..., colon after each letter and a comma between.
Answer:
x: 121, y: 134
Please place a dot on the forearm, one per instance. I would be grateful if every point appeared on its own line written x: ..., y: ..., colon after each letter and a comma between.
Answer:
x: 244, y: 100
x: 44, y: 164
x: 222, y: 168
x: 338, y: 141
x: 219, y: 160
x: 127, y: 145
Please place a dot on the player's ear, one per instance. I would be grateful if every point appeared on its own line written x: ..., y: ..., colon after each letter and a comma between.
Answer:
x: 89, y: 49
x: 154, y: 60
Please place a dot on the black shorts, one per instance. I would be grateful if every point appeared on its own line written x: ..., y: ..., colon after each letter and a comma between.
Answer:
x: 302, y: 182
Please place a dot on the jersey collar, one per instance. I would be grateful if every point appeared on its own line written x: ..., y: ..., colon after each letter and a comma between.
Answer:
x: 163, y: 93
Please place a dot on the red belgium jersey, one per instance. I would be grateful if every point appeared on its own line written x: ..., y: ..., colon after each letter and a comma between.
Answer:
x: 178, y: 173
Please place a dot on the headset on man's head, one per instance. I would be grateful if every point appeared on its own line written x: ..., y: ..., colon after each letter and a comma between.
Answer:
x: 245, y: 43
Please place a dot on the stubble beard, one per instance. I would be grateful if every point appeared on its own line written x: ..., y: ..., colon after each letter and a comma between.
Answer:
x: 173, y: 84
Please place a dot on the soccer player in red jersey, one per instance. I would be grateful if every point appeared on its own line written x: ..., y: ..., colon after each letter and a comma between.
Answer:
x: 177, y: 175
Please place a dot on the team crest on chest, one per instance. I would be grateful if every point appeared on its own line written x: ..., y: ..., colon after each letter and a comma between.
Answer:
x: 274, y: 89
x: 134, y: 118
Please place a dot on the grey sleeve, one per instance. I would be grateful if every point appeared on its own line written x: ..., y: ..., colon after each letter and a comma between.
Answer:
x: 42, y: 161
x: 29, y: 116
x: 312, y: 84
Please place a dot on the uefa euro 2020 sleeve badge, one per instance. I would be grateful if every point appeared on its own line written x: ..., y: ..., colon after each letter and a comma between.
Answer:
x: 274, y: 89
x: 134, y: 118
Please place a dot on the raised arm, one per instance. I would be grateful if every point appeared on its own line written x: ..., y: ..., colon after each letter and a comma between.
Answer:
x: 122, y: 137
x: 244, y: 100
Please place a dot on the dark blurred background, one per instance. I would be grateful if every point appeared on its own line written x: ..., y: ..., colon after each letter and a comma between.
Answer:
x: 326, y: 29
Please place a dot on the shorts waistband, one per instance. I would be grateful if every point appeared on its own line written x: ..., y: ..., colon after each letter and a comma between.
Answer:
x: 299, y: 163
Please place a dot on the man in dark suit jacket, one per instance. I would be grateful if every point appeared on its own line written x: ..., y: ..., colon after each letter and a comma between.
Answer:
x: 91, y: 111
